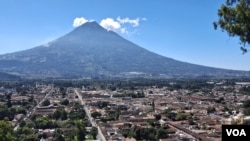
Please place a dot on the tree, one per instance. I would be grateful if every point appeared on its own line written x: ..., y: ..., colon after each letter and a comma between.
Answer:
x: 162, y: 133
x: 65, y: 102
x: 23, y: 92
x: 96, y: 114
x: 29, y: 137
x: 59, y: 138
x: 57, y: 114
x: 211, y: 110
x: 220, y: 100
x: 94, y: 132
x: 146, y: 134
x: 31, y: 98
x: 6, y: 131
x: 246, y: 104
x: 181, y: 116
x: 22, y: 123
x: 59, y: 135
x: 64, y: 115
x: 80, y: 132
x: 8, y: 97
x: 30, y: 124
x: 45, y: 122
x: 234, y: 18
x: 246, y: 111
x: 157, y: 116
x: 46, y: 102
x: 27, y: 131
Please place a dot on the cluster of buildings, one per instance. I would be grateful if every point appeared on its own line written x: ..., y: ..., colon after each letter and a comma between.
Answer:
x: 206, y: 111
x: 188, y: 115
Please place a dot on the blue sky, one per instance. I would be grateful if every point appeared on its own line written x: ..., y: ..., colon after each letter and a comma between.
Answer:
x: 181, y: 30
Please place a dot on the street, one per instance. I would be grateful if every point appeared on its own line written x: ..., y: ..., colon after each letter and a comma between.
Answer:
x: 100, y: 135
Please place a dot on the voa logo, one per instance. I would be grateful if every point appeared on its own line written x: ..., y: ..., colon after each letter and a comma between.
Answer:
x: 236, y: 132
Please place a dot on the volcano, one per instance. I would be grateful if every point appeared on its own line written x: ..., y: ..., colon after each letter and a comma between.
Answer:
x: 92, y: 51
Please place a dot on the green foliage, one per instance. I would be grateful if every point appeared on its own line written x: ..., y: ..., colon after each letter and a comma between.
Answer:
x: 128, y: 133
x: 161, y: 133
x: 20, y: 110
x: 46, y: 102
x: 23, y: 92
x: 64, y: 115
x: 30, y: 124
x: 220, y: 100
x: 8, y: 97
x: 6, y: 131
x: 96, y: 114
x: 31, y: 98
x: 29, y: 137
x: 77, y: 113
x: 58, y: 136
x: 22, y: 123
x: 210, y: 110
x: 65, y: 102
x: 133, y: 95
x: 10, y: 112
x: 80, y: 132
x: 94, y: 132
x: 152, y: 133
x: 245, y: 90
x: 180, y: 116
x: 234, y: 18
x: 246, y: 104
x: 145, y: 134
x: 246, y: 111
x: 3, y: 112
x: 114, y: 115
x: 157, y: 116
x: 57, y: 114
x: 27, y: 131
x: 45, y: 122
x: 102, y: 104
x: 166, y: 111
x: 170, y: 114
x: 60, y: 114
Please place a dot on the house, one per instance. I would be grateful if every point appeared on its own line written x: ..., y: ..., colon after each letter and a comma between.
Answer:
x: 42, y: 139
x: 49, y: 132
x: 19, y: 117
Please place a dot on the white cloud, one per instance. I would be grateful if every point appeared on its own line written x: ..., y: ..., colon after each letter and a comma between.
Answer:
x: 133, y: 22
x: 79, y: 21
x: 110, y: 24
x: 122, y: 25
x: 46, y: 45
x: 124, y: 31
x: 48, y: 41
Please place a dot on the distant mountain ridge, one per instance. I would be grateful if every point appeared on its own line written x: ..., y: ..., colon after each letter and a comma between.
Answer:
x: 92, y: 51
x: 8, y: 77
